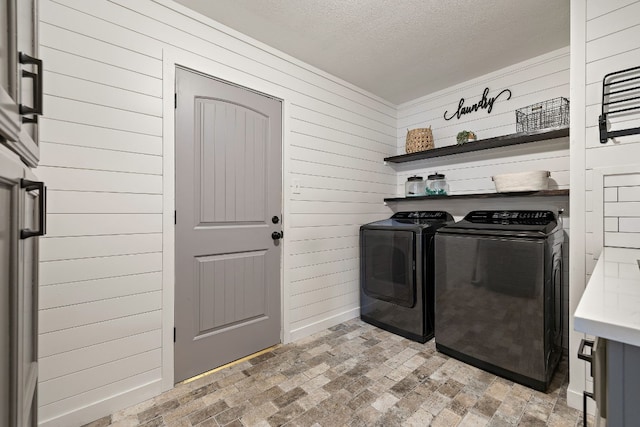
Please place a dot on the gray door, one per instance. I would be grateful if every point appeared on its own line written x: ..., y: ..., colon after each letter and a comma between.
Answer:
x: 228, y: 191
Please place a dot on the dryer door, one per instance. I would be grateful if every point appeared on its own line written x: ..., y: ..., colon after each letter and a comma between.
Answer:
x: 388, y: 266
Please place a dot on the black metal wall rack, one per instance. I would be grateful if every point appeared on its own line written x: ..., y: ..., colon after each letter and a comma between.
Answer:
x: 620, y: 94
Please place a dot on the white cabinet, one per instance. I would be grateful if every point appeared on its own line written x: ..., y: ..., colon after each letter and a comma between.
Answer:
x: 20, y: 78
x: 22, y: 207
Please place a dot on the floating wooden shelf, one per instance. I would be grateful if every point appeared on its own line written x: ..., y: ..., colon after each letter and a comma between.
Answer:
x: 483, y: 144
x: 545, y: 193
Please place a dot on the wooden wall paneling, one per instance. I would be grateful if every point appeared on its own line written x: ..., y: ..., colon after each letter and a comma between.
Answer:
x: 99, y: 29
x: 87, y: 357
x: 56, y: 37
x: 90, y: 136
x: 64, y: 248
x: 314, y: 233
x: 102, y: 224
x: 70, y: 385
x: 98, y: 115
x: 86, y: 180
x: 65, y: 340
x: 312, y: 312
x: 80, y: 292
x: 56, y: 84
x: 334, y: 255
x: 53, y: 272
x: 71, y: 156
x: 143, y: 386
x: 91, y: 70
x: 54, y: 319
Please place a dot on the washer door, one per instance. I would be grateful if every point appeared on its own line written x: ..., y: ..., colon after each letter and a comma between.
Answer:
x: 388, y: 266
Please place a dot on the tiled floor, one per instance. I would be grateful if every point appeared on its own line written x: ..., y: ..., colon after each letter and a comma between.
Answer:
x: 353, y: 374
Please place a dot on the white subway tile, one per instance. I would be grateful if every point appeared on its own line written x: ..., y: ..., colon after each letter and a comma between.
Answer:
x: 622, y: 180
x: 629, y: 225
x: 622, y: 240
x: 611, y: 194
x: 626, y: 209
x: 611, y: 224
x: 629, y: 194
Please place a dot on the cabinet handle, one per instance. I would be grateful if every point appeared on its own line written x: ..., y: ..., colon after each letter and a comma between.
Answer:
x: 585, y: 394
x: 37, y: 87
x: 42, y: 223
x: 581, y: 354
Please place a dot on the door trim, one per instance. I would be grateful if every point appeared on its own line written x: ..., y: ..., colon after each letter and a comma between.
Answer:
x: 170, y: 59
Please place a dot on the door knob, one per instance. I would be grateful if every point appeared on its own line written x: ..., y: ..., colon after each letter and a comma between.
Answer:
x: 276, y: 236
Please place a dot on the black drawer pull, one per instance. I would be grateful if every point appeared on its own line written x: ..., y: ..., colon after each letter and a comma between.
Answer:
x: 581, y: 354
x: 42, y: 223
x: 37, y: 86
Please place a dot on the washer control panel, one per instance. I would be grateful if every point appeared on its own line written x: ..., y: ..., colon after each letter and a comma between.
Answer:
x: 435, y: 215
x: 511, y: 217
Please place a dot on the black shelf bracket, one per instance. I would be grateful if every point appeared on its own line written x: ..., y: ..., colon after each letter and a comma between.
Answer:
x: 620, y: 94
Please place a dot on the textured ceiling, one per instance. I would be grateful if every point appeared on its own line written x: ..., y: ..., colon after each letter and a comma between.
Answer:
x: 400, y: 49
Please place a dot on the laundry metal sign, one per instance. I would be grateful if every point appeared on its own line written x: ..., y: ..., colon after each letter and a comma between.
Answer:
x: 485, y: 103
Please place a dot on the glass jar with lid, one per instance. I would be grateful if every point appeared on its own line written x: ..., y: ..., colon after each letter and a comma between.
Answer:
x: 437, y: 185
x: 415, y: 186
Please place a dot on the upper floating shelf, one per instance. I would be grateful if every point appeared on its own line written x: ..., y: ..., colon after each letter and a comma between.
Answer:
x: 542, y: 193
x: 483, y: 144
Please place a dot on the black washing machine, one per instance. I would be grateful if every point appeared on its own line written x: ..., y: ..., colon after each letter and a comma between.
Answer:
x: 499, y: 293
x: 397, y: 272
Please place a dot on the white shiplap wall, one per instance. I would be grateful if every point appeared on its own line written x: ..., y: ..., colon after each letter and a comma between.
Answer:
x: 538, y: 79
x: 605, y: 38
x: 101, y: 280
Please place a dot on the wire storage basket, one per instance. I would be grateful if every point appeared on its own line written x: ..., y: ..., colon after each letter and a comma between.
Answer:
x: 547, y: 114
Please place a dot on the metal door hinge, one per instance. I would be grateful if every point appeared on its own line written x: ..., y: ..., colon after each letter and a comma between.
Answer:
x: 175, y: 100
x: 175, y: 217
x: 174, y: 334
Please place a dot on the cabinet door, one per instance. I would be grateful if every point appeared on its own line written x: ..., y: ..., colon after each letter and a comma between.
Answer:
x: 19, y: 210
x: 29, y: 74
x: 9, y: 175
x: 10, y: 121
x: 27, y: 311
x: 21, y: 98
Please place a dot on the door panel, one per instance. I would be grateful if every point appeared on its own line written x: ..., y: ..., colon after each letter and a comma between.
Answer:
x: 231, y: 289
x: 228, y: 186
x: 231, y: 148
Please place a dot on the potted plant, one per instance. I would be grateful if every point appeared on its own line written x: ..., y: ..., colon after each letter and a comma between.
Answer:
x: 465, y: 136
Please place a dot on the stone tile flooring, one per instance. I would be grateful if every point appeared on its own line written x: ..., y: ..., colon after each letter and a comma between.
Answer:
x: 353, y: 374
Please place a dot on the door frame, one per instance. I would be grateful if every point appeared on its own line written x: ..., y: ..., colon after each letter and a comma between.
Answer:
x: 171, y: 58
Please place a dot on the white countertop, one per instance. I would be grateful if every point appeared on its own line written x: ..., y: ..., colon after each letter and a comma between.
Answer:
x: 610, y: 305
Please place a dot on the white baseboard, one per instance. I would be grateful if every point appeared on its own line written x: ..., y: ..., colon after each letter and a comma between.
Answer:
x: 105, y: 407
x: 574, y: 400
x: 311, y: 329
